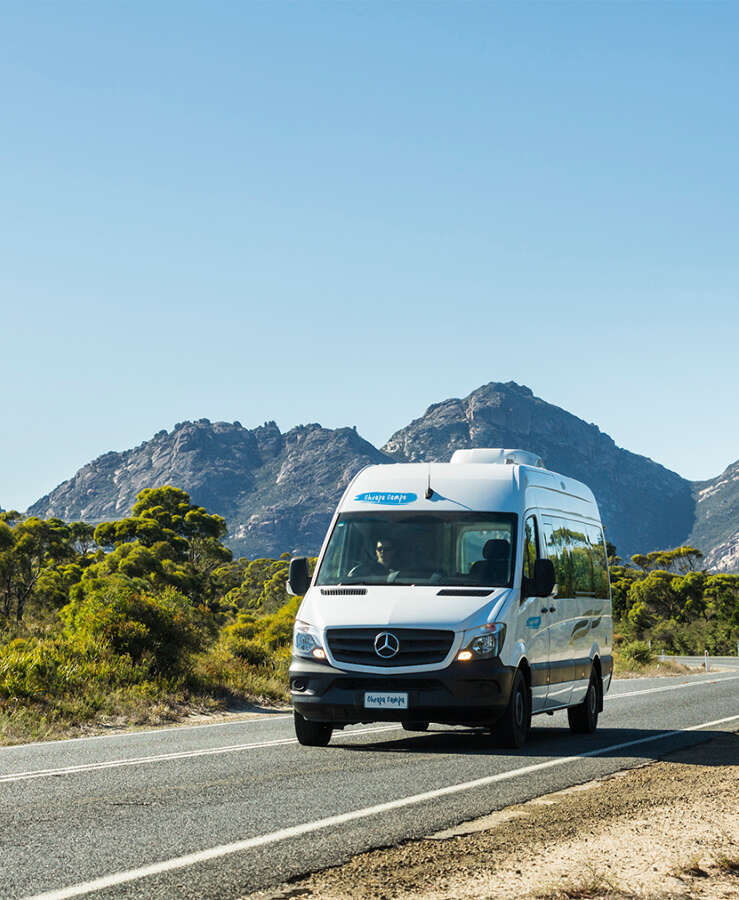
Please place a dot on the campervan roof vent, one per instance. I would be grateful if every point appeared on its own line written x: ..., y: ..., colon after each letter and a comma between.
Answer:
x: 497, y: 456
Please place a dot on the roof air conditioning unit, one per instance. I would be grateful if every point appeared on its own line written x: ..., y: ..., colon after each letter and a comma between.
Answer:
x: 498, y: 456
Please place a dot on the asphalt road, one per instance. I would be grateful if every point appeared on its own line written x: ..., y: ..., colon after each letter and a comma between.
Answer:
x: 223, y: 810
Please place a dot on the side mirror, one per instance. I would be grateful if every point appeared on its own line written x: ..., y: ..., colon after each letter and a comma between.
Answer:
x: 544, y: 577
x: 298, y: 580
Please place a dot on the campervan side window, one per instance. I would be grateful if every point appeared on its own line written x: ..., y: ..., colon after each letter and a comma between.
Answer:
x: 530, y: 547
x: 578, y: 553
x: 601, y: 583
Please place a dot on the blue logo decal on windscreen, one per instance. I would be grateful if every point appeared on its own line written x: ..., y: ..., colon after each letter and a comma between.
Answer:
x: 533, y: 622
x: 386, y: 498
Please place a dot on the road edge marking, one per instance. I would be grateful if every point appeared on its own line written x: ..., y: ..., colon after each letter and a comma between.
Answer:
x: 11, y: 777
x: 190, y: 859
x: 163, y: 729
x: 669, y: 687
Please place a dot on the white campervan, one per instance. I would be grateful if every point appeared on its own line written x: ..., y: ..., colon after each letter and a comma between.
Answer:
x: 472, y: 592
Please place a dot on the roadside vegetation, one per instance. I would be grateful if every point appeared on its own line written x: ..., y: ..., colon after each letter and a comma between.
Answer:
x: 141, y: 620
x: 149, y: 618
x: 665, y: 603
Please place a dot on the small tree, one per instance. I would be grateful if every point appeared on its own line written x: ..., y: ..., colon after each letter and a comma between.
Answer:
x: 29, y: 548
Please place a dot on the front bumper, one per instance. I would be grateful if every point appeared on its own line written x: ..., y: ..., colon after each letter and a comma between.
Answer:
x: 475, y: 692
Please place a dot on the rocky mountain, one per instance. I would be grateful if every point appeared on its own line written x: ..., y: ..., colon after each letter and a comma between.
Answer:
x: 277, y: 491
x: 716, y: 528
x: 642, y: 503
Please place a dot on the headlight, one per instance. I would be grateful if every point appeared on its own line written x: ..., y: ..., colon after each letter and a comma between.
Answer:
x: 307, y: 641
x: 483, y: 642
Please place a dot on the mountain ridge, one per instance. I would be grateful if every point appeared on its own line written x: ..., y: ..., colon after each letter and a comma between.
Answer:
x: 632, y: 490
x: 278, y: 490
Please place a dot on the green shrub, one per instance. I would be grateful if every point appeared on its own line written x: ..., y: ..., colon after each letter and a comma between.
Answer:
x: 250, y: 651
x: 221, y: 674
x: 161, y: 629
x: 638, y: 652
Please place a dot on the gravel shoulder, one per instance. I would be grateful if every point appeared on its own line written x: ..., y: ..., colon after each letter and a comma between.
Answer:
x: 668, y: 829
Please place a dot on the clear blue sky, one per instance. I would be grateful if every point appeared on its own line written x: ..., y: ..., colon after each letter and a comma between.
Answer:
x: 344, y: 212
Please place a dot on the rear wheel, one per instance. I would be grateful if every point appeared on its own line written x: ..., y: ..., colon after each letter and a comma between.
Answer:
x: 513, y: 727
x: 311, y: 734
x: 583, y: 718
x: 415, y: 726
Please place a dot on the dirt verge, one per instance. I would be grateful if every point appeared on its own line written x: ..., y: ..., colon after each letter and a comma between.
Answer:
x: 665, y: 830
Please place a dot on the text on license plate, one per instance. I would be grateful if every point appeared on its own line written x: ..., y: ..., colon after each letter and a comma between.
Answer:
x: 385, y: 700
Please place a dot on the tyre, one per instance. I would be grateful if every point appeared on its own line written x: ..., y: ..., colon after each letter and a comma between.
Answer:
x: 583, y: 718
x: 311, y: 734
x: 415, y: 726
x: 513, y: 727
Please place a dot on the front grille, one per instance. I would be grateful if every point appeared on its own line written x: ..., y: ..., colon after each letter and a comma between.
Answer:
x: 416, y: 646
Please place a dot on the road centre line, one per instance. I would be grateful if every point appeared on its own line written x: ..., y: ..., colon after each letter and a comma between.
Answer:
x: 164, y: 757
x: 235, y: 748
x: 190, y: 859
x: 669, y: 687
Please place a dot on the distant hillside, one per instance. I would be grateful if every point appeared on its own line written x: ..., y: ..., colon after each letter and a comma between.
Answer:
x: 717, y: 519
x: 277, y: 491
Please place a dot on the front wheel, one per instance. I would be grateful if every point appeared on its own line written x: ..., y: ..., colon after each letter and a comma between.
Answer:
x: 513, y: 727
x: 583, y: 718
x: 415, y: 726
x: 311, y: 734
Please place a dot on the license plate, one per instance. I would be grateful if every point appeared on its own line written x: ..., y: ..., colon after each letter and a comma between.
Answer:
x: 384, y: 700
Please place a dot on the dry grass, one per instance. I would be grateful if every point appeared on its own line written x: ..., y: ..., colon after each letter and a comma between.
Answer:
x: 729, y: 865
x: 96, y: 713
x: 692, y: 869
x: 628, y: 668
x: 589, y: 886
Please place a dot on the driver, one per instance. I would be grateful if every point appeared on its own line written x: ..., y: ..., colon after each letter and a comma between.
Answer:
x: 384, y: 563
x: 386, y: 554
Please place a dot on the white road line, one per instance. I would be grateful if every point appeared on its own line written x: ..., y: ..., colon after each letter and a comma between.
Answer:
x: 164, y: 757
x: 165, y: 729
x: 670, y: 687
x: 191, y: 859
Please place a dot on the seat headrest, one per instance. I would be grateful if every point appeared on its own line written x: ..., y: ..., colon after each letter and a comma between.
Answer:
x: 497, y: 549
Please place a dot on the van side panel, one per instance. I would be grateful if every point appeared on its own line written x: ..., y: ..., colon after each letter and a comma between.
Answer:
x: 580, y: 617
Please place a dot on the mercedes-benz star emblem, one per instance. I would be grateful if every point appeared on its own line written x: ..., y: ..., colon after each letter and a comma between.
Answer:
x: 386, y: 645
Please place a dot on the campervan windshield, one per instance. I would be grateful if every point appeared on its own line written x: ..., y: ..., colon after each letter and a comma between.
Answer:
x: 444, y: 548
